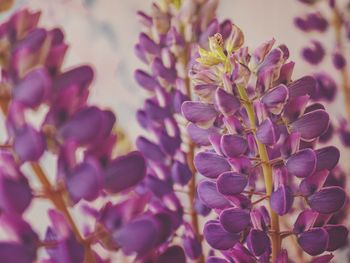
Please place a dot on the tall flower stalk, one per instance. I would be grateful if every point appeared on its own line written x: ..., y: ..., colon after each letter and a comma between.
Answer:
x: 261, y: 128
x: 171, y: 32
x: 80, y: 137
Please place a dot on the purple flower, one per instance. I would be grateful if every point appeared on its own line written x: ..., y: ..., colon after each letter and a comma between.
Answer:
x: 282, y: 200
x: 219, y: 238
x: 166, y: 48
x: 339, y: 61
x: 327, y: 200
x: 263, y: 148
x: 24, y: 249
x: 314, y: 241
x: 78, y: 135
x: 234, y: 220
x: 314, y: 54
x: 312, y: 22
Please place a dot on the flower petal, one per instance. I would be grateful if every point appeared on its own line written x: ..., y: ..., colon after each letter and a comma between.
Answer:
x: 305, y: 221
x: 85, y: 181
x: 258, y: 242
x: 303, y: 86
x: 150, y: 150
x: 209, y: 195
x: 29, y: 144
x: 199, y: 113
x: 302, y: 163
x: 281, y: 200
x: 81, y: 76
x: 32, y: 90
x: 139, y: 235
x: 275, y: 98
x: 84, y: 126
x: 231, y: 183
x: 192, y: 247
x: 125, y: 172
x: 217, y: 237
x: 145, y: 80
x: 313, y: 182
x: 312, y: 124
x: 240, y: 254
x: 148, y: 44
x: 328, y: 200
x: 315, y: 53
x: 233, y: 145
x: 268, y: 132
x: 227, y: 103
x: 15, y: 194
x: 234, y: 220
x: 338, y: 236
x: 210, y: 164
x: 327, y: 158
x: 314, y: 241
x: 181, y: 173
x: 200, y: 136
x: 295, y: 107
x: 15, y: 253
x: 173, y: 254
x: 160, y: 70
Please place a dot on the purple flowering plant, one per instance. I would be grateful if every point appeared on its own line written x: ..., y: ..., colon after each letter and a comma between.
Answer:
x: 260, y: 159
x: 80, y: 136
x: 229, y: 169
x: 171, y: 33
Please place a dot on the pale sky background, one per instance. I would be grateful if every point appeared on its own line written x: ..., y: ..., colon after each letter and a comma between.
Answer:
x: 103, y: 33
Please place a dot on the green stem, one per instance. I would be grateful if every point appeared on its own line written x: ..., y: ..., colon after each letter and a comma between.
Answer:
x: 267, y: 171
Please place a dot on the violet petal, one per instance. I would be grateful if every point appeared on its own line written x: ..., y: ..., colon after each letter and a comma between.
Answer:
x: 327, y: 158
x: 233, y: 145
x: 328, y: 200
x: 231, y: 183
x: 125, y: 172
x: 209, y: 195
x: 210, y: 164
x: 234, y: 220
x: 258, y: 242
x: 338, y: 236
x: 281, y: 200
x: 29, y: 144
x: 173, y: 254
x: 217, y: 237
x: 199, y: 113
x: 302, y: 163
x: 267, y: 132
x: 314, y: 241
x: 312, y: 124
x: 227, y: 103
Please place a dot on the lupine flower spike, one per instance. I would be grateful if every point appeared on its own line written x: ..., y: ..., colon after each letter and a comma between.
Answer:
x: 260, y: 162
x: 79, y: 136
x: 170, y: 32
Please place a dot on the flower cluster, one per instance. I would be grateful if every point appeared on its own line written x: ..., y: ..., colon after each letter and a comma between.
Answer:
x: 324, y: 18
x: 170, y: 32
x: 259, y: 131
x: 79, y: 136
